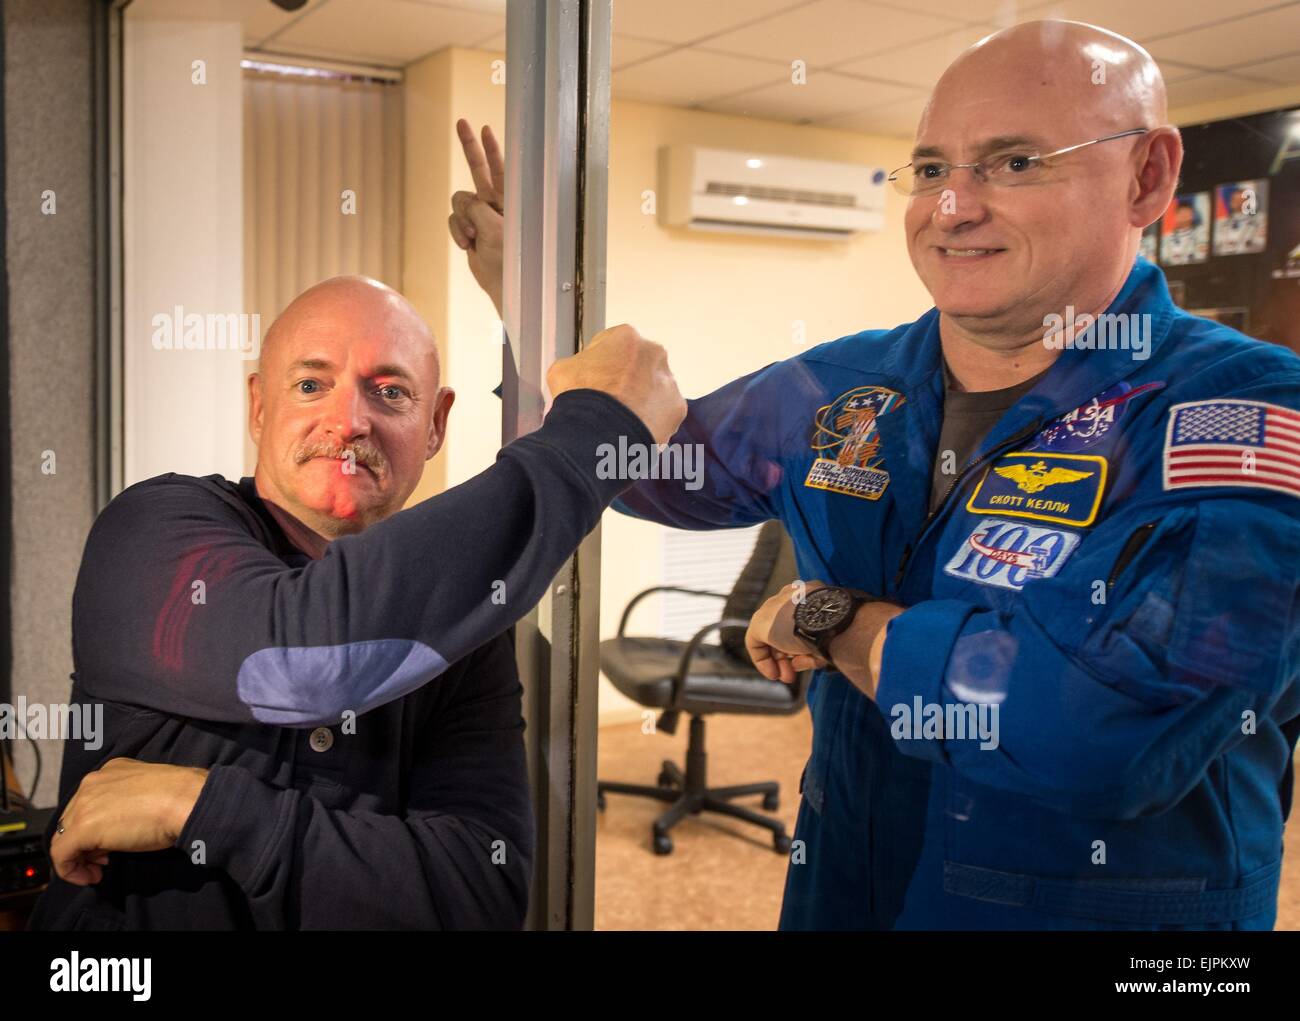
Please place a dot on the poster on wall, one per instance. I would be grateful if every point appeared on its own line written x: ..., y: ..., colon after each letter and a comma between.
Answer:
x: 1241, y: 217
x: 1251, y: 279
x: 1185, y: 230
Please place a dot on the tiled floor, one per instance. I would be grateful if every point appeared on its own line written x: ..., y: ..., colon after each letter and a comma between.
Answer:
x: 724, y: 874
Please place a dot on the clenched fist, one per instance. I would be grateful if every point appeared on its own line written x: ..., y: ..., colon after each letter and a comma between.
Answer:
x: 623, y: 364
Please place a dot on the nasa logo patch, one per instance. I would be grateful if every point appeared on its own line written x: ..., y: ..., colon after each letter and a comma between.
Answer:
x: 847, y: 443
x: 1007, y: 554
x: 1090, y: 423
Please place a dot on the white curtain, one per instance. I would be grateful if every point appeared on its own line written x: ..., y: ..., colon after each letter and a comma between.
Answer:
x: 307, y: 140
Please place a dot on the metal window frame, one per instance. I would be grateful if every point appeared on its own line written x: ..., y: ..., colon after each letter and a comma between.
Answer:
x: 557, y: 161
x: 108, y: 444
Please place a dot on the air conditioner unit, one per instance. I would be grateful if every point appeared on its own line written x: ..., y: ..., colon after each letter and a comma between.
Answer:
x: 752, y: 193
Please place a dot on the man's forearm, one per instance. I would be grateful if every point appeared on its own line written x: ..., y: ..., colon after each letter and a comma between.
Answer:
x: 298, y: 647
x: 367, y: 870
x: 859, y: 652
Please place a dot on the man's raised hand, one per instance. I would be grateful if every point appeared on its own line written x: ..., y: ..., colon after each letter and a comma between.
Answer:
x: 476, y: 222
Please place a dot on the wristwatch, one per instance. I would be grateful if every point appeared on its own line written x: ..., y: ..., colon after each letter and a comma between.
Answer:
x: 825, y: 613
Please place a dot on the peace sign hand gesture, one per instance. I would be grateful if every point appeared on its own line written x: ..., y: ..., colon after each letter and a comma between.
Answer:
x: 476, y: 222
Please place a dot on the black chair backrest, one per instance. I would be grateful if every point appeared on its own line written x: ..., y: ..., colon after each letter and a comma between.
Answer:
x: 770, y: 568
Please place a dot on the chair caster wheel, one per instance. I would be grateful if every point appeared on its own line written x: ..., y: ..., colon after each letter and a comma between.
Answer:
x: 771, y: 802
x: 600, y: 801
x: 663, y: 845
x: 781, y: 841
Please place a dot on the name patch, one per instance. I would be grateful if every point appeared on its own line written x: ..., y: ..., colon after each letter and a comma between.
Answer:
x: 1065, y: 489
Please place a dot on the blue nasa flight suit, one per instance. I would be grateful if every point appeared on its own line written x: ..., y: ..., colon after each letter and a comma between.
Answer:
x: 1115, y: 569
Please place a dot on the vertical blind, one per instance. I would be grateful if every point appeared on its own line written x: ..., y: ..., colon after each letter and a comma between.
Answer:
x: 711, y: 561
x: 307, y: 140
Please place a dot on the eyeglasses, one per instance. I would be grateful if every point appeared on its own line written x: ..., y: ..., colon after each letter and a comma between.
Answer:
x: 1003, y: 169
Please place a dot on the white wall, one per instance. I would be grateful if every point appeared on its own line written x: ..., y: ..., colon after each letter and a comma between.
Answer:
x: 183, y: 244
x: 440, y: 88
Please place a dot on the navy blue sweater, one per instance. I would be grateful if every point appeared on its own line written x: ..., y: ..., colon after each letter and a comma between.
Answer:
x: 344, y: 789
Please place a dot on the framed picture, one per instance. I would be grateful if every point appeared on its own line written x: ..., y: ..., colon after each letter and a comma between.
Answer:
x: 1185, y: 230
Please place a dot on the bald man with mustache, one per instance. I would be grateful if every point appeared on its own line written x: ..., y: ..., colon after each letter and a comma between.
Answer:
x: 1055, y: 529
x: 311, y: 707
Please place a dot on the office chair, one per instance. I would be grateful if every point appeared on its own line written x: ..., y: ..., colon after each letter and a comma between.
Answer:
x: 698, y: 678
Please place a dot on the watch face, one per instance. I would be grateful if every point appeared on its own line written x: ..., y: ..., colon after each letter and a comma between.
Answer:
x: 823, y: 610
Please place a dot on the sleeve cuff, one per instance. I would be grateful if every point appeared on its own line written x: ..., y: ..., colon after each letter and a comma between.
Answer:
x: 238, y: 819
x: 585, y: 423
x: 918, y: 644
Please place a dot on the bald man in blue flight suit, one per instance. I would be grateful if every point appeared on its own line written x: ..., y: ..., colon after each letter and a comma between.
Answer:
x: 1139, y: 642
x: 1108, y: 574
x: 1067, y: 515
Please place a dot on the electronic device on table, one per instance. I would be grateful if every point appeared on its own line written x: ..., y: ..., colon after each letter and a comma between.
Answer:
x: 24, y: 864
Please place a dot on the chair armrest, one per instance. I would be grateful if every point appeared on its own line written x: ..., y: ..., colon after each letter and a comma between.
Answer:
x: 697, y: 639
x: 627, y: 612
x: 683, y: 669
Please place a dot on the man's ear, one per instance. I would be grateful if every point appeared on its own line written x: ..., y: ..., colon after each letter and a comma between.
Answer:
x: 255, y: 407
x: 438, y: 423
x: 1157, y: 176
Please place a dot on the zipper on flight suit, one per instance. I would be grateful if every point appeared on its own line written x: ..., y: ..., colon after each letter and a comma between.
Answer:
x: 997, y: 451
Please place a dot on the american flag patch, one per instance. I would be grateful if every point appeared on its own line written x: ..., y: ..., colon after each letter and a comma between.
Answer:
x: 1233, y: 443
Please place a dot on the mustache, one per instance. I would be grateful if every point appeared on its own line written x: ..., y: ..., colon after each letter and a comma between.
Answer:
x: 361, y: 453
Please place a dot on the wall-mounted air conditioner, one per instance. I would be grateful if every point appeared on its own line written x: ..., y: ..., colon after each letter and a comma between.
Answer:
x: 752, y: 193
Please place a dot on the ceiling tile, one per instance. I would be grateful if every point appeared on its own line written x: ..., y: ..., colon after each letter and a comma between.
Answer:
x: 1283, y: 71
x: 496, y: 43
x: 1144, y: 20
x: 918, y: 64
x: 398, y: 31
x: 894, y: 120
x: 1172, y: 71
x: 682, y: 21
x: 995, y: 12
x: 829, y: 31
x: 628, y: 50
x: 1207, y: 88
x: 686, y: 77
x: 1241, y: 41
x: 827, y: 94
x: 259, y: 18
